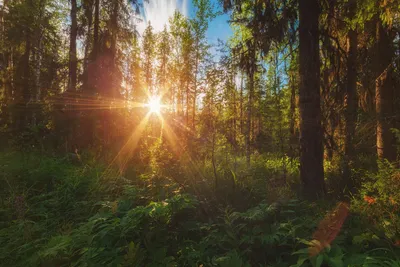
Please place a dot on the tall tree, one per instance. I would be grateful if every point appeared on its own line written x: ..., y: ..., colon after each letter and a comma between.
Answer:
x: 182, y: 67
x: 311, y: 147
x: 384, y: 94
x: 87, y: 6
x: 73, y: 61
x: 149, y: 44
x: 351, y: 95
x: 163, y: 57
x: 204, y: 13
x: 96, y: 29
x: 136, y: 92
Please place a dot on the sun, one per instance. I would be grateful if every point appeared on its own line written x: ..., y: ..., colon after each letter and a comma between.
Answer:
x: 154, y: 105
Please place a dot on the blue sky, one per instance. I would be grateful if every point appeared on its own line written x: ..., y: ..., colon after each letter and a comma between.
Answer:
x: 219, y: 27
x: 158, y: 12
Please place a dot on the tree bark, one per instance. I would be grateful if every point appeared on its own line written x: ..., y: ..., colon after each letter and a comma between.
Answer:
x: 251, y: 70
x: 311, y: 136
x: 89, y: 15
x: 73, y: 62
x: 5, y: 61
x: 115, y: 29
x: 384, y: 94
x: 292, y: 85
x: 24, y: 115
x: 241, y: 103
x: 96, y: 29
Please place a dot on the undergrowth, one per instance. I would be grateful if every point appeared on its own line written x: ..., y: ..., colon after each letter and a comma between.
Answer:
x: 55, y: 213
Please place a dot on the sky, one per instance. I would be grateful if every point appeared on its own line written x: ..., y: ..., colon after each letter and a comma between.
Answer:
x: 159, y: 11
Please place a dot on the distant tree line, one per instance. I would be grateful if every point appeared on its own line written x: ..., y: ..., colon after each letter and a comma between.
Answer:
x: 308, y: 79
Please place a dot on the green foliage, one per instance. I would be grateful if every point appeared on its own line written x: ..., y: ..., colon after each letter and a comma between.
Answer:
x: 380, y: 200
x: 72, y: 217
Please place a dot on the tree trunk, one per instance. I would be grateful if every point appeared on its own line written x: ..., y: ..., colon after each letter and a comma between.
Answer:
x: 384, y: 94
x: 292, y: 130
x: 89, y: 16
x: 195, y: 86
x: 36, y: 94
x: 96, y: 29
x: 187, y: 105
x: 24, y: 114
x: 350, y: 99
x: 114, y: 25
x: 311, y: 136
x: 72, y: 49
x: 293, y: 85
x: 115, y: 28
x: 234, y: 119
x: 241, y: 103
x: 4, y: 79
x: 250, y: 70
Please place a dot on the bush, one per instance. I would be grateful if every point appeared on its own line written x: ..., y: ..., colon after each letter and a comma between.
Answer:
x: 58, y: 214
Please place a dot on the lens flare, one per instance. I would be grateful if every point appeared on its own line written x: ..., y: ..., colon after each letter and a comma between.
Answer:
x: 154, y: 105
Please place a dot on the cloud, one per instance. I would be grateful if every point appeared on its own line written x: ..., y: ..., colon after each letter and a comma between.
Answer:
x: 157, y: 12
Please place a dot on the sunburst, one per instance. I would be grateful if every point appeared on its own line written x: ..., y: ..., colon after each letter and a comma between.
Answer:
x: 154, y: 105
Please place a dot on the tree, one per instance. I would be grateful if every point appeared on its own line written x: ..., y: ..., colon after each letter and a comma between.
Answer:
x: 311, y: 147
x: 181, y: 65
x: 136, y: 92
x: 163, y: 57
x: 73, y: 61
x: 204, y: 13
x: 149, y: 43
x: 351, y: 96
x: 384, y: 97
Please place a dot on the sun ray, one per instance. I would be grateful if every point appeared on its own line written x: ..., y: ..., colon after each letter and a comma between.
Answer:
x: 123, y: 156
x: 179, y: 150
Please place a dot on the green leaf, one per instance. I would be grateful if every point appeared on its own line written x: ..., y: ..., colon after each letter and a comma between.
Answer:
x: 301, y: 251
x: 300, y: 261
x: 319, y: 260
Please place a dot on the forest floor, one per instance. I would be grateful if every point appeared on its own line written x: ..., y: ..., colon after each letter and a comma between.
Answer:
x: 57, y: 213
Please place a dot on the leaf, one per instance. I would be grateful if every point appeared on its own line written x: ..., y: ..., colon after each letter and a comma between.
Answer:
x: 300, y: 261
x: 319, y: 260
x: 232, y: 259
x: 301, y: 251
x: 336, y: 261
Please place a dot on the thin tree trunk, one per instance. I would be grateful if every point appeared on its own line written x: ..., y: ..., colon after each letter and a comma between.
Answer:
x: 73, y: 62
x: 96, y: 29
x: 241, y: 104
x: 24, y: 115
x: 385, y: 139
x: 311, y: 136
x: 6, y: 59
x: 115, y: 29
x: 114, y: 25
x: 187, y: 104
x: 89, y: 16
x: 36, y: 95
x: 195, y: 86
x: 250, y: 103
x: 213, y: 158
x: 292, y: 122
x: 234, y: 122
x: 92, y: 75
x: 351, y: 99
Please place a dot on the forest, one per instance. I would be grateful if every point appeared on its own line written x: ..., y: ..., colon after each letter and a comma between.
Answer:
x: 123, y: 143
